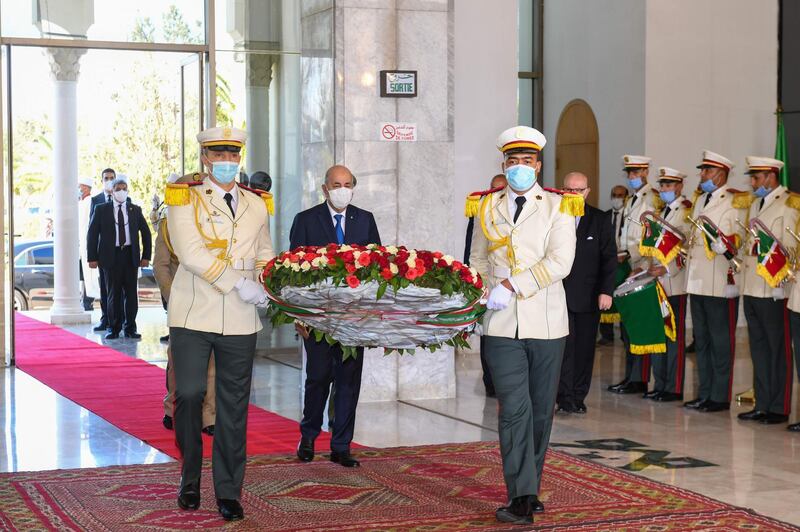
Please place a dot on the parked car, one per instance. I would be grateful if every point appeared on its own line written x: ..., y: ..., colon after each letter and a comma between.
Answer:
x: 34, y: 279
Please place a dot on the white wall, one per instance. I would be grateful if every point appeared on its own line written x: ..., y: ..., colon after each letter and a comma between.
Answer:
x: 711, y: 82
x: 485, y: 57
x: 595, y: 50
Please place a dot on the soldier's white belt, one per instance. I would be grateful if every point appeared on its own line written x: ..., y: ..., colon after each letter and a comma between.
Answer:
x: 501, y: 272
x: 243, y: 264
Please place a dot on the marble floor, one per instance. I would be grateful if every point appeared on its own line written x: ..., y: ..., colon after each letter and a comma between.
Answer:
x: 741, y: 463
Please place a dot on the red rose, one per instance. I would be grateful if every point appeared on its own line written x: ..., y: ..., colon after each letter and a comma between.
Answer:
x: 293, y: 258
x: 456, y: 266
x: 386, y: 274
x: 350, y: 268
x: 382, y: 261
x: 437, y: 255
x: 411, y: 274
x: 479, y: 283
x: 364, y: 259
x: 402, y: 268
x: 348, y: 256
x: 352, y: 281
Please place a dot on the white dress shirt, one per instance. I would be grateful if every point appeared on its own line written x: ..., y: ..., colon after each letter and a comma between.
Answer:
x: 334, y: 213
x: 124, y: 206
x: 234, y: 192
x: 512, y: 199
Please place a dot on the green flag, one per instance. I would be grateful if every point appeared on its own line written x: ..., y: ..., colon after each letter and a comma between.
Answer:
x: 780, y: 150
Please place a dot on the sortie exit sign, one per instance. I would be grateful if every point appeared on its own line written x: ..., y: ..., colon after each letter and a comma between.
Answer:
x: 398, y: 83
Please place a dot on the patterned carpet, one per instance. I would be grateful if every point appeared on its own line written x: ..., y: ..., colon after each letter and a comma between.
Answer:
x: 431, y: 488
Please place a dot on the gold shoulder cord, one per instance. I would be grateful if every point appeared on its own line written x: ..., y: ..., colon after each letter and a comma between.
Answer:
x: 500, y: 241
x: 163, y: 226
x: 211, y: 243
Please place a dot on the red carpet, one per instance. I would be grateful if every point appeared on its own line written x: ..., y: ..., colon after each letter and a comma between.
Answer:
x: 126, y: 391
x: 433, y: 488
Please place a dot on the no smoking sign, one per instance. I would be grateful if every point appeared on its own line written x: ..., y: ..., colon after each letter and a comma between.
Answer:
x: 398, y: 132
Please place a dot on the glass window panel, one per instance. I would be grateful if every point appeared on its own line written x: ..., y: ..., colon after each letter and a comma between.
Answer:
x: 525, y: 102
x: 175, y: 21
x: 43, y: 255
x: 525, y: 31
x: 258, y: 25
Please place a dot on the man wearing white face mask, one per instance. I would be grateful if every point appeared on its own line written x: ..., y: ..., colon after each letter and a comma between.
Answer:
x: 334, y: 221
x: 104, y: 196
x: 523, y: 246
x: 113, y: 245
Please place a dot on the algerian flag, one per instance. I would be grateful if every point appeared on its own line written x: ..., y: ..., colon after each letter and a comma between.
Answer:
x: 659, y: 242
x: 772, y: 265
x: 781, y: 152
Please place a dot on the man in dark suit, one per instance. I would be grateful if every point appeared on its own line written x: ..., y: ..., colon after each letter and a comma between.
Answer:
x: 589, y: 287
x: 498, y: 181
x: 113, y: 245
x: 105, y: 196
x: 335, y: 221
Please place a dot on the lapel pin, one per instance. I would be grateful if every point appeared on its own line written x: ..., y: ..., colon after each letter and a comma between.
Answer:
x: 208, y: 191
x: 538, y: 197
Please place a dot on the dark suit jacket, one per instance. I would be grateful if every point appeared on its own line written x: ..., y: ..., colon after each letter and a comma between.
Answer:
x: 98, y: 199
x: 314, y: 227
x: 595, y: 262
x: 102, y: 237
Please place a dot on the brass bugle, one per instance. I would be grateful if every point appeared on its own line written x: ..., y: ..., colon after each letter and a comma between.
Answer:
x: 637, y: 222
x: 749, y: 230
x: 795, y: 235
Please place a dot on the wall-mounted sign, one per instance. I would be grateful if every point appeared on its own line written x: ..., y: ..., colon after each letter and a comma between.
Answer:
x: 398, y: 132
x: 399, y: 83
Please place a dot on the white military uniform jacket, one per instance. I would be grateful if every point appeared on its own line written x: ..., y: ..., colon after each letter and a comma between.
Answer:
x: 542, y: 248
x: 215, y: 250
x: 776, y: 215
x: 674, y: 282
x: 646, y: 199
x: 709, y: 277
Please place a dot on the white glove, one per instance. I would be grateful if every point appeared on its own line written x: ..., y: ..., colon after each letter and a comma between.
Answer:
x: 499, y: 298
x: 778, y: 293
x: 156, y: 202
x: 251, y: 292
x: 719, y: 247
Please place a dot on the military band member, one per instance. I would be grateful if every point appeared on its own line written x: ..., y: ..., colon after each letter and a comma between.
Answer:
x: 669, y: 368
x: 765, y: 297
x: 794, y: 314
x: 523, y: 246
x: 220, y: 234
x: 711, y: 282
x: 644, y: 198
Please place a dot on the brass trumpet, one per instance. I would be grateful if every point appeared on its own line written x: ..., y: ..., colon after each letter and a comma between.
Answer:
x: 660, y: 220
x: 749, y: 233
x: 730, y: 251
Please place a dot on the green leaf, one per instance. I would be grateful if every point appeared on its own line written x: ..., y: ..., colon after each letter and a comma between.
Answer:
x: 381, y: 290
x: 318, y: 335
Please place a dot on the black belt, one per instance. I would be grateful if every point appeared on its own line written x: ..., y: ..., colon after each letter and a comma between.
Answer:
x: 123, y: 248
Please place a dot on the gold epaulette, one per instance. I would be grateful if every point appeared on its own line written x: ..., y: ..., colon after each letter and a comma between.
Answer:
x: 742, y: 200
x: 472, y: 204
x: 793, y: 201
x: 178, y: 193
x: 571, y: 204
x: 269, y: 201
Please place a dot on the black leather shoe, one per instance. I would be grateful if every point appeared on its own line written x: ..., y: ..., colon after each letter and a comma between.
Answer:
x: 713, y: 406
x: 344, y: 458
x: 164, y: 339
x: 491, y: 393
x: 695, y: 403
x: 794, y: 427
x: 305, y: 450
x: 632, y: 387
x: 111, y: 336
x: 668, y: 397
x: 615, y: 387
x: 773, y: 419
x: 580, y: 408
x: 230, y: 509
x: 536, y: 505
x: 690, y: 348
x: 752, y: 415
x: 605, y: 341
x: 133, y: 335
x: 565, y: 408
x: 167, y: 422
x: 189, y: 497
x: 652, y: 394
x: 518, y: 512
x: 209, y: 430
x: 100, y: 327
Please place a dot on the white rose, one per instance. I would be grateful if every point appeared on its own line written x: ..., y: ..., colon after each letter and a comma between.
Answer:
x: 287, y: 263
x: 301, y: 253
x: 412, y: 262
x: 448, y: 260
x: 295, y: 267
x: 393, y: 268
x: 345, y: 248
x: 392, y: 249
x: 473, y: 272
x: 305, y: 266
x: 322, y: 251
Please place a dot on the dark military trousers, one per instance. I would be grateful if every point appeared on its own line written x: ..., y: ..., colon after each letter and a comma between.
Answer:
x: 771, y: 352
x: 794, y: 321
x: 233, y: 358
x: 669, y: 368
x: 637, y: 367
x: 714, y: 322
x: 525, y: 374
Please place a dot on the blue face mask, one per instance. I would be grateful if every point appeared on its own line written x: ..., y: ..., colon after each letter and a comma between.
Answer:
x: 667, y: 195
x: 224, y: 171
x: 762, y: 192
x: 635, y: 183
x: 708, y: 186
x: 521, y: 177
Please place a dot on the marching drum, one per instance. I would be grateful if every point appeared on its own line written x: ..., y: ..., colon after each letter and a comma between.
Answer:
x: 646, y: 314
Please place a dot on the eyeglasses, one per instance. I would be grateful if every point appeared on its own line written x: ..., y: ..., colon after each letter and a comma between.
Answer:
x: 575, y: 190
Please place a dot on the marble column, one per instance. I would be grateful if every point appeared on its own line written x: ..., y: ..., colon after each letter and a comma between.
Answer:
x: 408, y: 186
x: 67, y: 308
